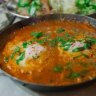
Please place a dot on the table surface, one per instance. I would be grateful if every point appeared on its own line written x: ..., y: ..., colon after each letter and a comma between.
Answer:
x: 9, y: 88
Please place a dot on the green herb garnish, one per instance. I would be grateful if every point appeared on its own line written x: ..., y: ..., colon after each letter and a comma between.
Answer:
x: 68, y: 66
x: 16, y: 50
x: 37, y: 34
x: 41, y: 41
x: 78, y: 49
x: 6, y: 59
x: 74, y: 75
x: 58, y: 68
x: 20, y: 58
x: 91, y: 40
x: 68, y: 36
x: 25, y: 44
x: 53, y: 42
x: 66, y: 45
x: 60, y: 30
x: 85, y: 55
x: 35, y: 6
x: 93, y: 63
x: 82, y: 54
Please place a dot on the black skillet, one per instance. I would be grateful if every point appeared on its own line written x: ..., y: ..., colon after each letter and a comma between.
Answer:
x: 5, y: 34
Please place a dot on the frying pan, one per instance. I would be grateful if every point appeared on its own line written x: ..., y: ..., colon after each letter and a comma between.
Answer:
x: 5, y: 34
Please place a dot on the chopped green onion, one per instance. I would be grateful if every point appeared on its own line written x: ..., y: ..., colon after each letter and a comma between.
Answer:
x: 32, y: 11
x: 68, y: 36
x: 92, y: 40
x: 60, y: 39
x: 78, y: 49
x: 17, y: 49
x: 87, y: 45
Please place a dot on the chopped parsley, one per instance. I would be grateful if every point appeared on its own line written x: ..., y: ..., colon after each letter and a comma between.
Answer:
x: 37, y: 34
x: 68, y: 66
x: 68, y: 36
x: 58, y: 68
x: 20, y: 58
x: 66, y: 45
x: 17, y: 49
x: 32, y: 41
x: 60, y: 30
x: 63, y: 43
x: 53, y: 42
x: 6, y: 59
x: 73, y: 44
x: 25, y: 44
x: 91, y: 40
x: 85, y: 55
x: 74, y: 75
x: 42, y: 41
x: 84, y: 47
x: 81, y: 54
